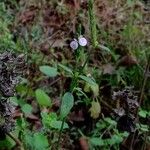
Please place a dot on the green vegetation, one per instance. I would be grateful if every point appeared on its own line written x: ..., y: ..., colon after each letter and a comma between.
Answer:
x: 85, y: 83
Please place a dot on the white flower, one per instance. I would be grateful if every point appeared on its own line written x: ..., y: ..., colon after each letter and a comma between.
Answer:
x: 82, y: 41
x: 74, y: 44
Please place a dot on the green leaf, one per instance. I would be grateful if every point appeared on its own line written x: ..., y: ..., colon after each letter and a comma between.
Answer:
x: 110, y: 121
x: 66, y: 105
x: 95, y: 109
x: 21, y: 123
x: 7, y: 143
x: 142, y: 113
x: 92, y: 87
x: 50, y: 121
x: 65, y: 68
x: 104, y: 48
x: 49, y: 71
x: 42, y: 98
x: 144, y: 128
x: 57, y: 124
x: 87, y: 79
x: 28, y: 139
x: 95, y: 89
x: 40, y: 141
x: 96, y: 141
x: 14, y: 100
x: 125, y: 134
x: 115, y: 139
x: 27, y: 109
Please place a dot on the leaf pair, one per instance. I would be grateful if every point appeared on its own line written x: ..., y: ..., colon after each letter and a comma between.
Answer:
x: 66, y: 105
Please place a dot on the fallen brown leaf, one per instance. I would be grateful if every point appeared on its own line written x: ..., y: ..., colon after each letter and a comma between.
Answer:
x: 84, y: 143
x: 127, y: 61
x: 28, y: 15
x: 77, y: 116
x: 32, y: 117
x: 108, y: 69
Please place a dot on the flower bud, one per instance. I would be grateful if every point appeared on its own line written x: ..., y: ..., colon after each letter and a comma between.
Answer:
x: 82, y: 41
x: 74, y: 44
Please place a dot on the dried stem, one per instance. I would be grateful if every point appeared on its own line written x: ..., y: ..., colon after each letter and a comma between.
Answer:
x: 144, y: 81
x: 141, y: 96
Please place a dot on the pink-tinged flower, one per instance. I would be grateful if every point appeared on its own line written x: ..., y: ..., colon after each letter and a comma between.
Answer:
x: 82, y: 41
x: 74, y: 44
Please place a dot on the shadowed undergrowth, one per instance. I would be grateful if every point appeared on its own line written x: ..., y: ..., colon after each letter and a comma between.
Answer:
x: 84, y: 79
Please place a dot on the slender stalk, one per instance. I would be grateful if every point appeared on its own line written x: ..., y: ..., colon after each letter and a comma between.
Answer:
x: 73, y: 85
x: 141, y: 97
x: 144, y: 81
x: 86, y: 61
x: 60, y: 133
x: 92, y: 23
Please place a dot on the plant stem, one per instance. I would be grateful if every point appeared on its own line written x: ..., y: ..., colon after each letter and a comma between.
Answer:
x: 60, y: 133
x: 86, y: 61
x: 73, y: 85
x: 144, y: 81
x: 141, y: 97
x: 92, y: 22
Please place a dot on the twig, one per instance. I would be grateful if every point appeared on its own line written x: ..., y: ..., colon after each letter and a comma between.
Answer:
x: 141, y: 97
x: 92, y: 22
x: 53, y: 82
x: 107, y: 105
x: 144, y: 82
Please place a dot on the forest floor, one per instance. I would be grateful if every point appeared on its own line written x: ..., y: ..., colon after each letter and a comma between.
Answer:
x: 79, y: 97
